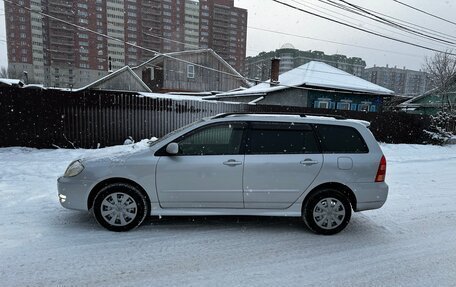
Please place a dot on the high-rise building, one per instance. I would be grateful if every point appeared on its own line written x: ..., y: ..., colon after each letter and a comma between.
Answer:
x: 402, y: 81
x: 42, y: 49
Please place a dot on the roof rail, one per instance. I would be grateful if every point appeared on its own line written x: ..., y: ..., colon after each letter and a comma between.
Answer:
x: 303, y: 115
x: 337, y: 117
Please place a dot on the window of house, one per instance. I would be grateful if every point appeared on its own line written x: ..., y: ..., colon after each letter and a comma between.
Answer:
x: 364, y: 107
x: 323, y: 104
x: 343, y: 105
x: 190, y: 71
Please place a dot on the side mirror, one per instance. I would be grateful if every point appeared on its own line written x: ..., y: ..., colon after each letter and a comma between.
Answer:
x: 172, y: 148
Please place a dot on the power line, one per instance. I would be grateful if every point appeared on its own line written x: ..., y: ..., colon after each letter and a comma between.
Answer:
x: 250, y: 27
x: 294, y: 35
x: 123, y: 41
x: 403, y: 22
x: 422, y: 11
x: 170, y: 40
x: 307, y: 69
x: 116, y: 39
x: 360, y: 29
x: 375, y: 17
x: 165, y: 55
x: 140, y: 47
x: 303, y: 57
x: 335, y: 15
x: 174, y: 58
x: 407, y: 23
x: 299, y: 36
x: 333, y: 42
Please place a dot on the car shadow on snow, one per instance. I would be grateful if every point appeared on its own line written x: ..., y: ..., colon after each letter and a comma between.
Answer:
x: 76, y: 219
x: 178, y: 222
x: 360, y: 224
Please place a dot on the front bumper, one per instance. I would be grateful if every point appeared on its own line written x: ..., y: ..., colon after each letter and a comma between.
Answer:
x: 72, y: 193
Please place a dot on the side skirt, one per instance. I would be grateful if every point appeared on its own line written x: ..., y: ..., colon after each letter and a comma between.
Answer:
x: 292, y: 211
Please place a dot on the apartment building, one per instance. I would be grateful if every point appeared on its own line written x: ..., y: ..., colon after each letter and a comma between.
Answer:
x: 259, y: 67
x: 42, y: 49
x: 402, y: 81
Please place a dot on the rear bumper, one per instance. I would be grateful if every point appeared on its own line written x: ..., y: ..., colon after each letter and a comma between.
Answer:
x: 369, y: 205
x: 370, y: 195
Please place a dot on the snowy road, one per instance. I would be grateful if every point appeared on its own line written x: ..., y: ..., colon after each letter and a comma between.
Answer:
x: 411, y: 241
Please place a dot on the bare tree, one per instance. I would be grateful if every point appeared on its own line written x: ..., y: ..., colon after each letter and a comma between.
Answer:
x: 442, y: 74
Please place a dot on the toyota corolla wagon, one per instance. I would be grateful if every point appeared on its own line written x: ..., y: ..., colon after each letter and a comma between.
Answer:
x: 312, y: 167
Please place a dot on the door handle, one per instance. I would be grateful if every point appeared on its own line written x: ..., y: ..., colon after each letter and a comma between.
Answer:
x: 232, y: 162
x: 308, y: 162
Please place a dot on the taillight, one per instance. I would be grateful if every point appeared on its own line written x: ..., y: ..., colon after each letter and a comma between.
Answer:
x: 380, y: 177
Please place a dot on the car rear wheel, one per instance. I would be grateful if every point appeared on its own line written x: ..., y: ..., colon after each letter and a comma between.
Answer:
x: 327, y: 212
x: 120, y: 207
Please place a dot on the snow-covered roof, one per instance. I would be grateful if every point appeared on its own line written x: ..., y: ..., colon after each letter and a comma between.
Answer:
x: 132, y: 79
x: 413, y: 101
x: 34, y: 86
x: 180, y: 98
x: 11, y: 82
x: 317, y: 75
x: 198, y: 94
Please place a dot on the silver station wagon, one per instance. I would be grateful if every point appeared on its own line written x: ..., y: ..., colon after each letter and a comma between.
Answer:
x: 314, y: 167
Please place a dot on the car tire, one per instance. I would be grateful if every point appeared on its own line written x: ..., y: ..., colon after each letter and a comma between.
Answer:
x: 120, y: 207
x: 327, y: 211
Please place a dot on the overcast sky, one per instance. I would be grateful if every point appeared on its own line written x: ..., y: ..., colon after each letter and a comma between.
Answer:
x: 266, y: 14
x: 273, y: 16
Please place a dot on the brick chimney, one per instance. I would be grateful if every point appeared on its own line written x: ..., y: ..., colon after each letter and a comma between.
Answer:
x: 275, y: 65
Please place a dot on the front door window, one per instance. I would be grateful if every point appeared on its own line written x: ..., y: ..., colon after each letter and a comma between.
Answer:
x: 222, y: 139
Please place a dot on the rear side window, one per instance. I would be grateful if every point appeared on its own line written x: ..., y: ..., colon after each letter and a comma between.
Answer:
x: 281, y: 138
x: 340, y: 139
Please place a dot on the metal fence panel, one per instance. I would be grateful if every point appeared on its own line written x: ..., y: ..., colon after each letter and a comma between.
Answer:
x: 46, y: 118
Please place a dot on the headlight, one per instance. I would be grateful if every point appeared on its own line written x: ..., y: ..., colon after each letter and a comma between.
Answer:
x: 74, y: 169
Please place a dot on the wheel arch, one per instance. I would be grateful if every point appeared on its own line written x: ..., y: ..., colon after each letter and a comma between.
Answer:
x: 106, y: 182
x: 333, y: 185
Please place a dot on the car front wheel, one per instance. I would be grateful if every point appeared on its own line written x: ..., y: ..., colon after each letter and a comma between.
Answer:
x: 327, y: 212
x: 120, y: 207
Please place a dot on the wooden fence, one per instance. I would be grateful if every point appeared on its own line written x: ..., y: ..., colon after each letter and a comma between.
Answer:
x: 90, y: 119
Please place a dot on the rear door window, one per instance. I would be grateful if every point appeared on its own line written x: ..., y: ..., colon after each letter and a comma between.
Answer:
x: 281, y: 138
x: 340, y: 139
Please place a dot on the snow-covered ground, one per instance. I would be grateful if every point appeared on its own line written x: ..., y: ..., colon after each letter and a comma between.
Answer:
x: 411, y: 241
